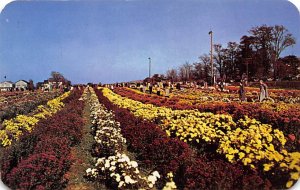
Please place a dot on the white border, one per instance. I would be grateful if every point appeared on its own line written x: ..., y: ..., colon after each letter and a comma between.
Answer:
x: 3, y: 4
x: 296, y: 3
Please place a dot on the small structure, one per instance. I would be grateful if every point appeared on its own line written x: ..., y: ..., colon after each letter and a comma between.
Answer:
x: 21, y: 85
x: 6, y: 86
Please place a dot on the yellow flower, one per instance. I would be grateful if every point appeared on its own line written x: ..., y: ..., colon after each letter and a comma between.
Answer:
x: 241, y: 155
x: 295, y: 175
x: 246, y: 161
x: 267, y: 167
x: 289, y: 184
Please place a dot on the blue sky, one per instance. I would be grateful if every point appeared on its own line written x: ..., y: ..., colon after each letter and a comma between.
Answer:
x: 110, y: 40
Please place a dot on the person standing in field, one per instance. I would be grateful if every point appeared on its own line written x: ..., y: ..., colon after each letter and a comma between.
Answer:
x: 263, y: 91
x: 150, y: 88
x: 242, y: 91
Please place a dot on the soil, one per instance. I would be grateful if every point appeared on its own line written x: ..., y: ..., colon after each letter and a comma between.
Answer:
x: 82, y: 158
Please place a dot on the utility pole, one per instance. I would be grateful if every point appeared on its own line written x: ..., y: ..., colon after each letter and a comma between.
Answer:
x: 149, y: 67
x: 211, y: 57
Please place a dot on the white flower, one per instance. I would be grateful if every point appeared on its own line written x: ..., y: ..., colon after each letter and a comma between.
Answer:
x: 151, y: 185
x: 156, y: 174
x: 112, y: 168
x: 120, y: 184
x: 88, y: 170
x: 121, y: 160
x: 113, y: 163
x: 118, y: 178
x: 127, y: 179
x: 152, y: 179
x: 107, y: 165
x: 134, y: 164
x: 94, y: 171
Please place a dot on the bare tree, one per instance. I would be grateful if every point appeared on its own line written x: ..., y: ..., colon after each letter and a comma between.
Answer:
x: 281, y: 40
x: 270, y: 42
x: 219, y: 58
x: 201, y: 69
x: 172, y: 75
x: 185, y: 71
x: 57, y: 77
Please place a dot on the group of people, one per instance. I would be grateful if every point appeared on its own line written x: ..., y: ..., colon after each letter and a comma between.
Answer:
x: 263, y: 91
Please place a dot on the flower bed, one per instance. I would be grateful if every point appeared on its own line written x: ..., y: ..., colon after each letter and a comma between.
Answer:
x: 40, y: 159
x: 13, y: 128
x: 191, y: 171
x: 23, y: 102
x: 283, y: 117
x: 113, y: 166
x: 259, y: 146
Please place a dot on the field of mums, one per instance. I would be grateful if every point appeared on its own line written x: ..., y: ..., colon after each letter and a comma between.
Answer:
x: 97, y: 138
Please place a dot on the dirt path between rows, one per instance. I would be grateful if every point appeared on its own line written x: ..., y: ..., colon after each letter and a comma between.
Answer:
x: 83, y: 158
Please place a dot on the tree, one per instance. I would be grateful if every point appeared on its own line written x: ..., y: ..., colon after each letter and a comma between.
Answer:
x: 262, y: 38
x: 219, y: 58
x: 172, y: 75
x: 185, y: 71
x: 30, y: 85
x: 269, y: 43
x: 281, y: 40
x: 288, y: 67
x: 57, y: 78
x: 230, y: 62
x: 202, y: 68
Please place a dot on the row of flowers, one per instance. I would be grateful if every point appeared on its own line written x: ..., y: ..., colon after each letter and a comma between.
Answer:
x: 286, y: 118
x: 113, y: 164
x: 14, y: 127
x: 247, y: 141
x: 154, y: 149
x: 251, y: 94
x: 275, y: 92
x: 231, y: 94
x: 23, y: 103
x: 40, y: 159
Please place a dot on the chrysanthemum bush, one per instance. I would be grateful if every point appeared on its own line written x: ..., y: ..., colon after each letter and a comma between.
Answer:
x: 154, y: 149
x: 113, y: 166
x: 248, y: 140
x: 40, y: 159
x: 14, y: 127
x: 23, y: 103
x: 285, y: 117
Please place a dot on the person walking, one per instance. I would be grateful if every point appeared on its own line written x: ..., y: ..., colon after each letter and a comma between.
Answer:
x: 263, y: 91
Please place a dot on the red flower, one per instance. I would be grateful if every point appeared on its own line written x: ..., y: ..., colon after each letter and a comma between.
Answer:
x: 292, y: 137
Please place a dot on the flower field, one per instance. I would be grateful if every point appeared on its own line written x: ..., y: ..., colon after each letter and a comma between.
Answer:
x: 13, y: 103
x: 247, y: 140
x: 143, y: 141
x: 282, y: 116
x: 41, y: 156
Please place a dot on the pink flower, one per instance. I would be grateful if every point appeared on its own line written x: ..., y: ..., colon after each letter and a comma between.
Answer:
x: 292, y: 137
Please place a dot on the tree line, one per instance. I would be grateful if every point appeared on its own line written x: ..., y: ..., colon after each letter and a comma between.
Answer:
x: 256, y: 56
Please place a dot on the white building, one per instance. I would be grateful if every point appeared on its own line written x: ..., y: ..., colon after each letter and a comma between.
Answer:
x: 6, y: 86
x: 21, y: 85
